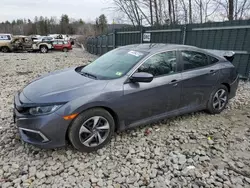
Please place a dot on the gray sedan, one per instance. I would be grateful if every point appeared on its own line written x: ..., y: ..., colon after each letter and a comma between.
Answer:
x: 124, y: 88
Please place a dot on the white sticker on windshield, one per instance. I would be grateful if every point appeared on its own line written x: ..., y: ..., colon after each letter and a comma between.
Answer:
x: 137, y: 54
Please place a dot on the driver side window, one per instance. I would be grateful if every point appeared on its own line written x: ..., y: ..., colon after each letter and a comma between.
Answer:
x: 160, y: 64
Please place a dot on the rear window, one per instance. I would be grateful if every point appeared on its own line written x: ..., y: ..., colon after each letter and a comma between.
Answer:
x: 47, y: 38
x: 212, y: 60
x: 5, y: 37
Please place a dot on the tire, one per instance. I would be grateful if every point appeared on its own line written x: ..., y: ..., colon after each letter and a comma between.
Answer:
x: 43, y: 49
x: 65, y: 49
x: 5, y: 49
x: 218, y: 100
x: 84, y: 137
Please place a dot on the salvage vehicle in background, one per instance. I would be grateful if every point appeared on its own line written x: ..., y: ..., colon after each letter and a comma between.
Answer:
x: 4, y: 37
x: 62, y: 45
x: 5, y: 46
x: 43, y: 39
x: 23, y: 43
x: 63, y: 37
x: 5, y: 42
x: 126, y: 87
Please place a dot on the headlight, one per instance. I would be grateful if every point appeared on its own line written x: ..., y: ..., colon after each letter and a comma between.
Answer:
x: 41, y: 110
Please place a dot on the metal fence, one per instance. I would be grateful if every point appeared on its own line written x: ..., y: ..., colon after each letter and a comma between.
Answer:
x: 234, y: 35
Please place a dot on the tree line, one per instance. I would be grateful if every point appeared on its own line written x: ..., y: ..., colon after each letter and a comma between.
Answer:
x: 44, y: 25
x: 136, y: 13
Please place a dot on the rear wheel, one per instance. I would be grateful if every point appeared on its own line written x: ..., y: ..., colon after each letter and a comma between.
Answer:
x: 65, y: 49
x: 91, y: 130
x: 218, y: 100
x: 5, y: 49
x: 44, y: 49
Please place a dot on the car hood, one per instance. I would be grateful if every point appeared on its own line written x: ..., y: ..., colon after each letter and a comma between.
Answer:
x: 62, y: 86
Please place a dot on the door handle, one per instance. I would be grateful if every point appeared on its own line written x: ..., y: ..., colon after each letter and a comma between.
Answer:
x: 174, y: 82
x: 212, y: 72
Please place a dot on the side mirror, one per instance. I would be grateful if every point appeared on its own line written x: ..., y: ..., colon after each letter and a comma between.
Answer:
x: 141, y: 77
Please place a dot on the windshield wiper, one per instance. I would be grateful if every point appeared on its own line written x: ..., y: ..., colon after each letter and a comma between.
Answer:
x: 88, y: 75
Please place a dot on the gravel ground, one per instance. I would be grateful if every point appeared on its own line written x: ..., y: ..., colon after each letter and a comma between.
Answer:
x: 195, y: 150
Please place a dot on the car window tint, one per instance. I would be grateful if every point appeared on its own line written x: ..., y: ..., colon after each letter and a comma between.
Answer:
x: 115, y: 63
x: 65, y: 42
x: 212, y: 60
x: 54, y: 42
x: 4, y: 37
x: 192, y: 60
x: 160, y: 64
x: 60, y: 42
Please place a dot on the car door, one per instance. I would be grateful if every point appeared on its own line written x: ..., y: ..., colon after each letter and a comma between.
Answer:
x: 161, y: 95
x: 199, y: 78
x: 56, y: 45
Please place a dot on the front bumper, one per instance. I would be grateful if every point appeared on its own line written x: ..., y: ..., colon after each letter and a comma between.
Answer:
x: 47, y: 131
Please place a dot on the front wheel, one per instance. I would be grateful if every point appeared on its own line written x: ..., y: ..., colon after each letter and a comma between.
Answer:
x: 5, y: 49
x: 218, y: 100
x: 43, y: 49
x: 91, y: 130
x: 65, y: 49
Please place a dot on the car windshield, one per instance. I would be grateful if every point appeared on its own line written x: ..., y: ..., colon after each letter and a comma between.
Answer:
x: 113, y: 64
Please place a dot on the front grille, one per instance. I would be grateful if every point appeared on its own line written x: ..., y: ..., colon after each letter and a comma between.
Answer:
x: 33, y: 136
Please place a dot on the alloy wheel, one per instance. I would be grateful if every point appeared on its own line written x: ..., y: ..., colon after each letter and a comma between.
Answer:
x: 94, y: 131
x: 220, y: 99
x: 4, y: 50
x: 43, y: 49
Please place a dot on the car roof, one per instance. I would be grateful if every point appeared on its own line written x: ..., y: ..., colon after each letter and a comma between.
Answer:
x: 157, y: 47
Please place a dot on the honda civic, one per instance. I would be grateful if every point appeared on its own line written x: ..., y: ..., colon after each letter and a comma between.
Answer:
x: 126, y: 87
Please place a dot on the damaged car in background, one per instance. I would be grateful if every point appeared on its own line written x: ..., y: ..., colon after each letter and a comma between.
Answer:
x: 24, y: 43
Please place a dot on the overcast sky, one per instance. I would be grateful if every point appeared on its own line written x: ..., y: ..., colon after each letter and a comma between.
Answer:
x: 85, y: 9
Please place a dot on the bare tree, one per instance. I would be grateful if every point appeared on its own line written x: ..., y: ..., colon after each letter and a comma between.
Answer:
x: 173, y: 10
x: 185, y: 10
x: 206, y: 9
x: 190, y: 11
x: 131, y: 8
x: 156, y: 12
x: 235, y: 9
x: 230, y: 9
x: 181, y: 11
x: 242, y: 8
x: 151, y: 12
x: 170, y: 11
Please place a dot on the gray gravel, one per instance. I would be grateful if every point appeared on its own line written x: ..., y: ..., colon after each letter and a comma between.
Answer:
x: 195, y: 150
